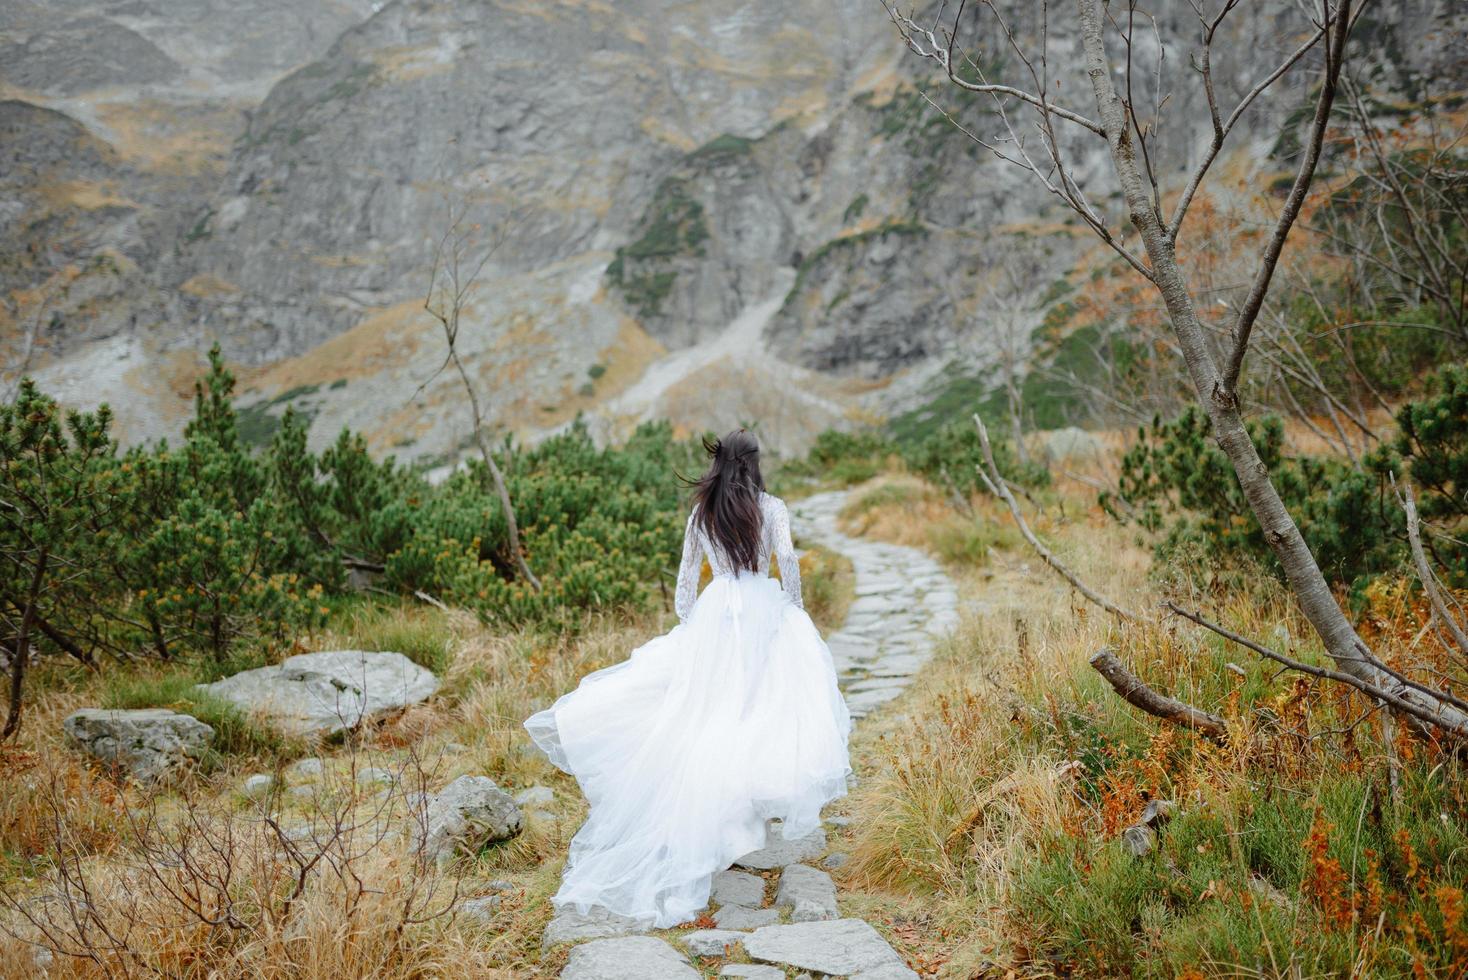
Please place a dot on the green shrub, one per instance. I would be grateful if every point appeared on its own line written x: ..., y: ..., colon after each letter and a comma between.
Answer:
x: 1176, y: 480
x: 952, y: 455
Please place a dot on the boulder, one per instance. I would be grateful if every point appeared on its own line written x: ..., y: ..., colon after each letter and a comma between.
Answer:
x: 149, y: 742
x: 840, y: 947
x: 258, y: 785
x: 328, y: 692
x: 310, y: 768
x: 1071, y: 443
x: 535, y: 796
x: 627, y: 958
x: 809, y: 892
x: 373, y: 776
x: 468, y: 814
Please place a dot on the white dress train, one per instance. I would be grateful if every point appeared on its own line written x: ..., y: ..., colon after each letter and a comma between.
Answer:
x: 685, y: 749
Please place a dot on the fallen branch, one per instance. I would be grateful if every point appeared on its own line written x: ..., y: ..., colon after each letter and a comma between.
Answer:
x: 999, y: 487
x: 1135, y: 692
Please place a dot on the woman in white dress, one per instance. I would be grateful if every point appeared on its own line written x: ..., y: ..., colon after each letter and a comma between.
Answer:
x: 686, y: 749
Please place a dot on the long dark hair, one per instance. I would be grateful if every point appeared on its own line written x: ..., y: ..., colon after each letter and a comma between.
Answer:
x: 727, y: 498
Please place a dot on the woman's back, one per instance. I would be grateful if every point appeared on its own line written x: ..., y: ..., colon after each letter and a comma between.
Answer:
x: 774, y: 539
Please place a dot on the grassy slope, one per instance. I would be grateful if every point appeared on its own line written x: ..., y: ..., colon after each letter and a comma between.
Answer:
x: 994, y: 791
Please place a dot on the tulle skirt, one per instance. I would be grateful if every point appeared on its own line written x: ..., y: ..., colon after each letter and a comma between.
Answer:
x: 689, y: 746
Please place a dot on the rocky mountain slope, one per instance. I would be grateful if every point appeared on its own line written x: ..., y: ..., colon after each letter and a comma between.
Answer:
x: 717, y: 213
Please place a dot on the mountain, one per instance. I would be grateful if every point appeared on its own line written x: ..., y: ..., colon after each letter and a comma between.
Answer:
x: 714, y: 213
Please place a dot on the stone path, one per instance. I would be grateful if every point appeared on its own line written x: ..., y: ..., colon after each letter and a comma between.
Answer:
x: 787, y: 922
x: 904, y: 604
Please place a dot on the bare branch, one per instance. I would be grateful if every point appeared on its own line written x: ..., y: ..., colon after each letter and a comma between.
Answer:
x: 924, y: 43
x: 999, y: 487
x: 1335, y: 50
x: 1439, y: 719
x: 1221, y: 129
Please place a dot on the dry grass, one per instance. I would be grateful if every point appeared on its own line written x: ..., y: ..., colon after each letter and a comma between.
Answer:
x: 907, y: 510
x: 993, y: 792
x: 953, y: 795
x: 57, y: 811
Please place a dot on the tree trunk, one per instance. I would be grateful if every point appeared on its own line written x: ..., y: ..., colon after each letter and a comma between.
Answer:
x: 21, y: 652
x: 511, y: 526
x: 1218, y: 400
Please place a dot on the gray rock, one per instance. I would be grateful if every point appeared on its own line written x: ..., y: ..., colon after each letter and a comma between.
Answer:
x: 712, y: 942
x: 738, y: 888
x: 481, y: 909
x: 328, y: 692
x: 149, y: 742
x: 373, y: 776
x: 310, y: 768
x: 839, y: 821
x: 843, y: 947
x: 809, y: 891
x: 741, y: 917
x: 468, y: 814
x: 535, y: 796
x: 752, y: 971
x: 627, y: 958
x: 569, y: 925
x: 258, y: 785
x: 303, y: 792
x: 834, y: 860
x: 1070, y: 443
x: 779, y: 852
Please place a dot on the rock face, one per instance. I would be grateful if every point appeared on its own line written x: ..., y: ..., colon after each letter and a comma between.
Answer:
x: 468, y: 814
x: 329, y: 692
x: 276, y: 171
x: 841, y: 947
x: 627, y: 958
x: 148, y: 742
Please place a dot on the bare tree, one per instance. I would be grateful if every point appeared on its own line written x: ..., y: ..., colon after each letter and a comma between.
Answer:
x: 1130, y: 133
x: 453, y: 277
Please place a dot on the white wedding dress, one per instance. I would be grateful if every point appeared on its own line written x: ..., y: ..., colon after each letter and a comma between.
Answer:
x: 689, y: 746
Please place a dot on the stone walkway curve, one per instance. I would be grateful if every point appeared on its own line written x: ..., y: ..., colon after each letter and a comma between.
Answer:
x: 777, y: 907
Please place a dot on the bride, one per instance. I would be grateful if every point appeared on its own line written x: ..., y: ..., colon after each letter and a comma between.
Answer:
x: 685, y: 749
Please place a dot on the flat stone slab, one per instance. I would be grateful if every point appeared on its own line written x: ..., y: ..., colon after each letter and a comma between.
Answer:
x: 809, y: 892
x: 779, y: 852
x: 627, y: 958
x: 713, y: 942
x: 149, y: 742
x: 569, y: 925
x: 327, y: 692
x: 739, y: 917
x: 840, y: 947
x: 752, y: 971
x: 738, y: 888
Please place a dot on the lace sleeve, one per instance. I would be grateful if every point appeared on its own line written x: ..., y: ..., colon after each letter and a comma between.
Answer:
x: 688, y: 572
x: 784, y: 549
